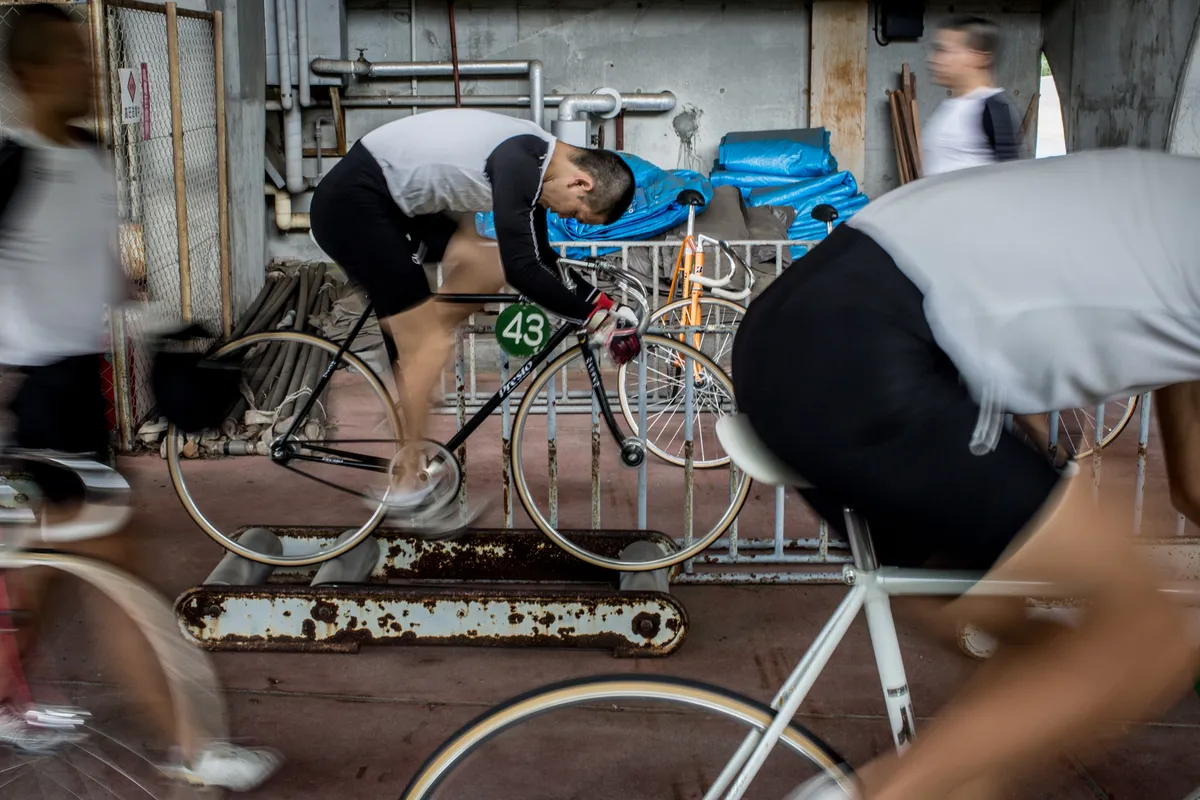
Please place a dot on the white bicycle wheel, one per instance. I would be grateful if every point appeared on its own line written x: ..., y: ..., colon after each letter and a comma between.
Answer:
x: 690, y: 724
x: 664, y: 390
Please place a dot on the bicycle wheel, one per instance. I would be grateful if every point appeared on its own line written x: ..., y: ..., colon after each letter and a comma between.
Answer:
x: 567, y: 494
x: 707, y: 717
x: 664, y: 388
x: 111, y: 752
x: 1077, y: 426
x: 250, y: 474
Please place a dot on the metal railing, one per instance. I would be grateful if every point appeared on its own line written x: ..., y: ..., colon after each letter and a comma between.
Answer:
x: 776, y: 539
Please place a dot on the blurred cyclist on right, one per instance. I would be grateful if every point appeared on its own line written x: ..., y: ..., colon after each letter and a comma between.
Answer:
x: 910, y: 330
x: 978, y: 123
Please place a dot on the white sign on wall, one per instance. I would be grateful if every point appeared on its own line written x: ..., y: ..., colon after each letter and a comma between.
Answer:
x: 131, y: 97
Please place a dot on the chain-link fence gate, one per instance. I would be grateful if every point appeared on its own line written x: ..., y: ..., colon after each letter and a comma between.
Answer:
x: 164, y: 127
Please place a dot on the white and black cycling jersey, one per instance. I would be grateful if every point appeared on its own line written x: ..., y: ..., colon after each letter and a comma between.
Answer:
x: 464, y: 161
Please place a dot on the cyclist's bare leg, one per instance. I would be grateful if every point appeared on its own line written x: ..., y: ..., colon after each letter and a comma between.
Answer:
x: 424, y: 335
x: 125, y: 647
x: 1130, y: 657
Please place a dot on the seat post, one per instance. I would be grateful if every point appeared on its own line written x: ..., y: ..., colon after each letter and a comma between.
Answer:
x: 861, y: 546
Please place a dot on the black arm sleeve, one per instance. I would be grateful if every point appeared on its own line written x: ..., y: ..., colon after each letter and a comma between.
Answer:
x: 515, y: 171
x: 1000, y: 127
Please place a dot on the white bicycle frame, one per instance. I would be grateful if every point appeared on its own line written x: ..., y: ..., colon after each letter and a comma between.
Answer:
x: 717, y: 285
x: 871, y: 588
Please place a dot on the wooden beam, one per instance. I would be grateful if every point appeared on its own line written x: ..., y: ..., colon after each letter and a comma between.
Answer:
x: 837, y: 89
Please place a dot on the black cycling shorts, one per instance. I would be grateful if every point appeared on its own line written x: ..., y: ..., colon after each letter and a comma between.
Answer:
x: 357, y: 223
x: 837, y: 369
x: 62, y: 407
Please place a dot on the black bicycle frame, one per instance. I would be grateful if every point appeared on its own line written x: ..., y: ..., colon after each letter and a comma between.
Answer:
x: 360, y: 461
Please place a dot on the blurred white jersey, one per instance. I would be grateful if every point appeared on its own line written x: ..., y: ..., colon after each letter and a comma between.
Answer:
x: 1056, y: 283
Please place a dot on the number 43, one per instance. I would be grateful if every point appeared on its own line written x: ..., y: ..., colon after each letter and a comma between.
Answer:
x: 531, y: 335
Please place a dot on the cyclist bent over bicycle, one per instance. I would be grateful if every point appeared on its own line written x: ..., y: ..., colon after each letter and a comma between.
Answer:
x: 1021, y: 287
x: 407, y: 192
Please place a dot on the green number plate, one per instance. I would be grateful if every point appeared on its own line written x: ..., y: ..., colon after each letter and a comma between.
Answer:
x: 522, y: 329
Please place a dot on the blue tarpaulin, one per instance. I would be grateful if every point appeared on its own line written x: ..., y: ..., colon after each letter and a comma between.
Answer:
x: 837, y: 184
x: 746, y: 181
x: 653, y: 211
x: 783, y: 156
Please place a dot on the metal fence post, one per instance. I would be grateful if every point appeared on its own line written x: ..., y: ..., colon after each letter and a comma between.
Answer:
x: 185, y: 270
x: 226, y: 280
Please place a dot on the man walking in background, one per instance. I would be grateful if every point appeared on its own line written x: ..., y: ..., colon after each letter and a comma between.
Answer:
x: 978, y: 123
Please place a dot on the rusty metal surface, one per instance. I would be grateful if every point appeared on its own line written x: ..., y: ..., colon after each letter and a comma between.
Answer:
x: 480, y: 555
x: 342, y: 619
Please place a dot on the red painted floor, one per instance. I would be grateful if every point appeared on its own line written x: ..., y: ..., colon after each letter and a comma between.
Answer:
x: 357, y: 726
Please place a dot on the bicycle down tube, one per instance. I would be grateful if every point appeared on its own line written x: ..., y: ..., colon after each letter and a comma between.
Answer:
x: 339, y: 457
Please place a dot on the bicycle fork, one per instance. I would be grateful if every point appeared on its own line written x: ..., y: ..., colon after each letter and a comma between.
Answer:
x: 866, y: 593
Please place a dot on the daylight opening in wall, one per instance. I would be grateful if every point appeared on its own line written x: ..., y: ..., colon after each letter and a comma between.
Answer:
x: 1051, y: 139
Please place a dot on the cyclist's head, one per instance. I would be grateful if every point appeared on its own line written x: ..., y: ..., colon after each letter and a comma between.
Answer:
x: 965, y: 47
x: 593, y: 186
x: 46, y: 54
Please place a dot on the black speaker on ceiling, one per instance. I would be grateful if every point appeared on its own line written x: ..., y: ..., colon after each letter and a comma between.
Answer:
x: 900, y: 20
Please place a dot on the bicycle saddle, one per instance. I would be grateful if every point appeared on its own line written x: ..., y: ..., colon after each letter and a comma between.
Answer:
x: 690, y: 197
x: 824, y: 213
x: 751, y: 456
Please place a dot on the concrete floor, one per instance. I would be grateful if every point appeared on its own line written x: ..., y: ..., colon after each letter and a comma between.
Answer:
x: 358, y: 726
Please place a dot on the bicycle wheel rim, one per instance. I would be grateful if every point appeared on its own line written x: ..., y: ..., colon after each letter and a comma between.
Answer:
x: 1111, y: 435
x: 539, y: 520
x: 572, y: 693
x: 175, y: 458
x: 197, y: 705
x: 623, y: 393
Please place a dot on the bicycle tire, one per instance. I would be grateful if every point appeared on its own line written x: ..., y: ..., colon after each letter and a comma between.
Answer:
x: 627, y: 406
x: 609, y: 688
x: 188, y: 674
x: 1116, y: 431
x: 524, y: 411
x: 174, y: 457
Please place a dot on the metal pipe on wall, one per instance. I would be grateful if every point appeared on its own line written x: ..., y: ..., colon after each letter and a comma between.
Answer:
x: 302, y: 52
x: 283, y: 37
x: 416, y: 69
x: 293, y: 149
x: 578, y: 106
x: 285, y: 218
x: 443, y: 69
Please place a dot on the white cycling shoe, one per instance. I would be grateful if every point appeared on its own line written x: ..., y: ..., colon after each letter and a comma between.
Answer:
x: 822, y: 787
x: 228, y: 766
x: 19, y: 731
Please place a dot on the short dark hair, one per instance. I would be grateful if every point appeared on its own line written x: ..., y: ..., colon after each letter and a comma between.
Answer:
x: 983, y: 35
x: 31, y: 39
x: 613, y: 183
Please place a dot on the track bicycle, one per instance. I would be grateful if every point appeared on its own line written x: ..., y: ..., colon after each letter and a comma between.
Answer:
x: 343, y: 437
x: 768, y: 748
x: 93, y: 745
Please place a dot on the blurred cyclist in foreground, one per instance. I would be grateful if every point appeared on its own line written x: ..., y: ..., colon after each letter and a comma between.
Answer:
x: 58, y: 275
x: 1022, y: 287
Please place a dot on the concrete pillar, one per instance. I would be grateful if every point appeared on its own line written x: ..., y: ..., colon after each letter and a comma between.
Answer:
x: 245, y: 112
